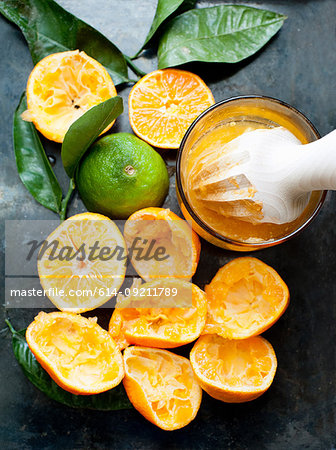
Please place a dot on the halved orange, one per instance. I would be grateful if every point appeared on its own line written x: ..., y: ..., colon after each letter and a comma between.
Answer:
x: 152, y: 229
x: 76, y: 277
x: 233, y: 371
x: 151, y: 320
x: 77, y: 353
x: 161, y: 386
x: 164, y: 103
x: 62, y: 87
x: 245, y: 298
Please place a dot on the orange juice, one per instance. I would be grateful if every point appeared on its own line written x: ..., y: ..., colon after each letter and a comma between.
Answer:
x: 206, y: 140
x: 203, y: 153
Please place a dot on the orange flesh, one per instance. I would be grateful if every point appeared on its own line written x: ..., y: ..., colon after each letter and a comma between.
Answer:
x: 167, y: 382
x: 236, y: 364
x: 204, y: 151
x: 172, y: 235
x: 160, y: 327
x: 166, y: 230
x: 245, y: 298
x: 62, y: 87
x: 164, y: 103
x: 95, y: 278
x: 84, y: 355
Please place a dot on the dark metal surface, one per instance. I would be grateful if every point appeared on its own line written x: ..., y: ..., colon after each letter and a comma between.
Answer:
x: 299, y: 410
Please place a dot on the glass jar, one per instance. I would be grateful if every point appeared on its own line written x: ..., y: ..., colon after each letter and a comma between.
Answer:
x: 227, y: 232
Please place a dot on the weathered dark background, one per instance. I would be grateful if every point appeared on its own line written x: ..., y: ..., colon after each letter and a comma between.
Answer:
x: 298, y: 411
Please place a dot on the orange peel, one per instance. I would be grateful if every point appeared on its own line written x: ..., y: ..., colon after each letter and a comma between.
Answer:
x: 77, y: 353
x: 233, y: 371
x: 245, y: 298
x: 167, y: 231
x: 161, y: 386
x: 62, y: 87
x: 164, y: 327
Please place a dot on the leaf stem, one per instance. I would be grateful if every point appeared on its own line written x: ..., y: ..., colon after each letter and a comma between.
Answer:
x: 65, y: 201
x: 135, y: 69
x: 136, y: 55
x: 10, y: 326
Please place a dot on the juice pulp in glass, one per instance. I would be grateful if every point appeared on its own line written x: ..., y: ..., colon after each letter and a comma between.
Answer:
x: 204, y: 151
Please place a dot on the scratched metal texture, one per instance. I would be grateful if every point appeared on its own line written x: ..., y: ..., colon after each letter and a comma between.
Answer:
x: 299, y: 67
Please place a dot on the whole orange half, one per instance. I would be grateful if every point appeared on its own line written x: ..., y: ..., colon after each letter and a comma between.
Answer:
x: 164, y: 103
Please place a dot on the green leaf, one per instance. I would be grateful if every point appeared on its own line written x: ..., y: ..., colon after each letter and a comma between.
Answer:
x: 113, y: 399
x: 166, y: 9
x: 226, y: 33
x: 32, y: 163
x: 48, y: 28
x: 85, y: 130
x: 66, y: 199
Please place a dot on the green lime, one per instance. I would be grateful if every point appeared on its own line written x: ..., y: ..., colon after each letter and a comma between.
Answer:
x: 121, y: 174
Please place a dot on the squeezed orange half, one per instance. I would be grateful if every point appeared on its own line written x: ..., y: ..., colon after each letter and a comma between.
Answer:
x: 245, y: 298
x: 77, y: 353
x: 233, y: 371
x: 161, y: 386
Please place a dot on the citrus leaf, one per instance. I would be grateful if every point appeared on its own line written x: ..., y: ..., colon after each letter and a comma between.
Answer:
x: 32, y: 163
x: 166, y: 9
x: 113, y: 399
x: 48, y: 28
x: 85, y: 130
x: 226, y: 33
x: 66, y: 200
